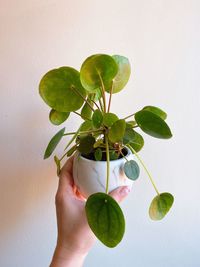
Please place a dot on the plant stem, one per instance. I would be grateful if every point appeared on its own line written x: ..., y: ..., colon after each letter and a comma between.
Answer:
x: 103, y: 92
x: 78, y: 93
x: 85, y: 132
x: 101, y: 105
x: 123, y: 155
x: 110, y: 97
x: 129, y: 116
x: 145, y: 168
x: 108, y: 164
x: 95, y: 104
x: 81, y: 115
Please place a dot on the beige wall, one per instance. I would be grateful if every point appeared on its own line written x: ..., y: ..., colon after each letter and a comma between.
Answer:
x: 161, y: 39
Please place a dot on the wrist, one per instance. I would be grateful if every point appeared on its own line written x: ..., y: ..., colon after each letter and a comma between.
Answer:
x: 65, y: 256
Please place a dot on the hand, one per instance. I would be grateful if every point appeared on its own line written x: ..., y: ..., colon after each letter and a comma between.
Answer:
x: 75, y: 237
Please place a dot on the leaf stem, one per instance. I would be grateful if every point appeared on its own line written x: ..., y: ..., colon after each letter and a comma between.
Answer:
x: 145, y: 168
x: 129, y: 116
x: 78, y: 93
x: 85, y: 132
x: 108, y: 164
x: 81, y: 116
x: 103, y: 92
x: 110, y: 97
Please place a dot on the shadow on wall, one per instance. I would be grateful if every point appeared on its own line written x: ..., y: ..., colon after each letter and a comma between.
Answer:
x: 26, y: 180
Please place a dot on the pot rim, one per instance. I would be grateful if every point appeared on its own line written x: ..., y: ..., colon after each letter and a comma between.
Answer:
x: 104, y: 161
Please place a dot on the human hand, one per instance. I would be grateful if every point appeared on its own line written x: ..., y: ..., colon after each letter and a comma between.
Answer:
x: 75, y: 237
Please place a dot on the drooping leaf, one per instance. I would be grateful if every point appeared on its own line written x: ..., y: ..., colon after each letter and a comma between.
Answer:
x: 152, y: 124
x: 109, y: 119
x: 58, y: 89
x: 86, y: 111
x: 105, y: 218
x: 97, y: 118
x: 129, y: 135
x: 132, y: 169
x: 57, y: 117
x: 98, y: 154
x: 53, y: 143
x: 95, y: 68
x: 86, y: 144
x: 117, y: 130
x: 162, y: 114
x: 137, y: 143
x: 57, y: 161
x: 123, y: 74
x: 160, y: 206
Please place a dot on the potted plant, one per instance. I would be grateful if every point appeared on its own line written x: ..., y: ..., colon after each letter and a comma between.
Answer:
x: 105, y: 147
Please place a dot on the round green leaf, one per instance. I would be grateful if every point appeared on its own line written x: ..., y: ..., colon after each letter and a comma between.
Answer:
x: 152, y: 124
x: 61, y: 89
x: 109, y: 119
x: 98, y: 154
x: 86, y: 112
x: 123, y: 74
x: 86, y: 144
x: 53, y: 143
x: 137, y: 143
x: 96, y: 68
x: 117, y: 130
x: 129, y: 135
x: 157, y: 111
x: 97, y: 118
x: 57, y: 117
x: 160, y: 206
x: 86, y: 126
x: 132, y: 169
x: 113, y: 155
x: 105, y: 219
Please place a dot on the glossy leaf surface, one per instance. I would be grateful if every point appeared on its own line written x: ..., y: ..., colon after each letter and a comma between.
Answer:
x: 105, y: 218
x: 96, y: 68
x: 86, y: 112
x: 53, y: 143
x: 97, y: 118
x: 109, y: 119
x: 56, y: 89
x: 160, y: 206
x: 57, y: 117
x: 152, y: 124
x: 117, y: 131
x: 132, y: 169
x: 137, y: 143
x: 162, y: 114
x: 129, y: 135
x: 123, y: 74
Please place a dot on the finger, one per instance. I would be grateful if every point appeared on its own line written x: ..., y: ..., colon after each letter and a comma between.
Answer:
x: 120, y: 193
x: 66, y: 180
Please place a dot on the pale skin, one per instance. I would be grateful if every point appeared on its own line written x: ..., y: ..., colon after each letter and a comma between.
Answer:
x: 75, y: 239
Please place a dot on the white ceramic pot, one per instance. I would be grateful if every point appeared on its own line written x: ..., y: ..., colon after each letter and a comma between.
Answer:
x: 90, y: 175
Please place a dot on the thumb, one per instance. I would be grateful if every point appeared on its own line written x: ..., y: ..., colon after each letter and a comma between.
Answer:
x: 120, y: 193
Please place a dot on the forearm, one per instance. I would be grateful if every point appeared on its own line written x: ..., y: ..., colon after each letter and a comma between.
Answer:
x: 65, y: 257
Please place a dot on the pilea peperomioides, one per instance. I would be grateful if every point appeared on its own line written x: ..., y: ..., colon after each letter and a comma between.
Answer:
x: 103, y: 136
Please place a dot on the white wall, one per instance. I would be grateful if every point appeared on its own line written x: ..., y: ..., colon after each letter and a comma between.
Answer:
x: 161, y: 39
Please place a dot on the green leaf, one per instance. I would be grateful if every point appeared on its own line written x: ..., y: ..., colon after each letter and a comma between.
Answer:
x: 152, y: 124
x: 117, y: 131
x: 98, y: 143
x: 57, y: 117
x: 113, y: 155
x: 109, y: 119
x: 86, y: 126
x: 157, y: 111
x: 53, y: 143
x: 71, y: 150
x: 97, y: 118
x: 105, y: 219
x: 57, y: 88
x: 86, y: 144
x: 137, y: 143
x: 160, y: 206
x: 129, y: 135
x: 86, y: 112
x: 130, y: 124
x: 132, y: 169
x: 123, y: 74
x: 98, y: 154
x: 57, y: 161
x: 95, y: 68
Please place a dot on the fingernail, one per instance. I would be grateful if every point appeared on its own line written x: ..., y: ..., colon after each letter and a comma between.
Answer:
x: 125, y: 190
